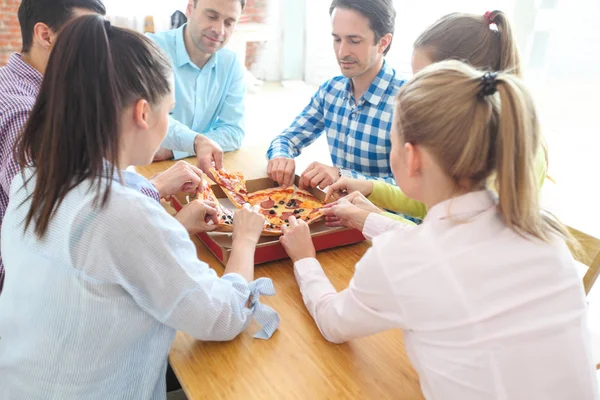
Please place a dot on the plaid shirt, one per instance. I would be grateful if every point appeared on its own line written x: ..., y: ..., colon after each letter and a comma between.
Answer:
x: 358, y: 134
x: 19, y: 87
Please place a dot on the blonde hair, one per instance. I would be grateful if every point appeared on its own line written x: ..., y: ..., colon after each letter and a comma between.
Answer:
x: 472, y: 134
x: 470, y: 38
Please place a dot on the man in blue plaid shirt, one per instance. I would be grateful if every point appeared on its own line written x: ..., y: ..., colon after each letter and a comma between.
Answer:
x: 354, y: 110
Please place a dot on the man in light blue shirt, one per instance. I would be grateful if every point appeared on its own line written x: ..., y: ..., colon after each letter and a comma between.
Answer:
x: 209, y: 84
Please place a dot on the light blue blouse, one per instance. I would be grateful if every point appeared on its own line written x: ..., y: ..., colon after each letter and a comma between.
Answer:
x: 90, y: 311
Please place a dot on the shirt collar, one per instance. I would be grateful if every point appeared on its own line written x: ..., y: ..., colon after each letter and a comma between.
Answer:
x: 25, y: 71
x: 378, y: 87
x: 181, y: 54
x: 470, y: 203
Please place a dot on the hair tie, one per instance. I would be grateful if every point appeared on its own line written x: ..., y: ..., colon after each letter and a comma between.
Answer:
x: 488, y: 84
x: 489, y: 17
x: 107, y: 26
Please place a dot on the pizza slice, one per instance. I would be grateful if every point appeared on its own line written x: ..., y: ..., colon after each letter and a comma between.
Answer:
x: 279, y: 204
x: 233, y: 185
x: 225, y: 215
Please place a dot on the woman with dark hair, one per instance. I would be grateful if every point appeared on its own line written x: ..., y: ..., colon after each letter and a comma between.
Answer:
x: 98, y: 276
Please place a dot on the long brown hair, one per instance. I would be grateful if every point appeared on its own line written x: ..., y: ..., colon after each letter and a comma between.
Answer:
x: 473, y: 134
x: 72, y: 135
x: 472, y: 39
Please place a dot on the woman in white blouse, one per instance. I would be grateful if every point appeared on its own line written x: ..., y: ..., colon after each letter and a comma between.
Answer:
x: 485, y: 289
x: 99, y: 276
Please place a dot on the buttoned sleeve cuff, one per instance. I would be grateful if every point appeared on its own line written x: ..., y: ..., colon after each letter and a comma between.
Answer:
x: 376, y: 224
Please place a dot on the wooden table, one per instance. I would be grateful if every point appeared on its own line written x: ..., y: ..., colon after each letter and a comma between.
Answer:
x: 296, y: 363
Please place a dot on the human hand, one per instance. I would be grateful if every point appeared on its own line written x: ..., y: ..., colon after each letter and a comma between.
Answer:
x: 345, y: 186
x: 282, y: 170
x: 345, y: 213
x: 320, y: 175
x: 163, y: 154
x: 208, y: 153
x: 181, y: 177
x: 248, y: 224
x: 296, y: 240
x: 196, y: 216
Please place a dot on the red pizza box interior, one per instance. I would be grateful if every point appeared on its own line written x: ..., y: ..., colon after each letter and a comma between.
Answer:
x: 269, y: 248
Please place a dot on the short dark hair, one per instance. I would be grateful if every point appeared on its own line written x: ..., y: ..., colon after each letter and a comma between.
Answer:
x: 380, y: 13
x: 54, y: 13
x: 242, y: 2
x: 95, y: 70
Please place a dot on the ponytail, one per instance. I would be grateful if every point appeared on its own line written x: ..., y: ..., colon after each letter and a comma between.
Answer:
x: 476, y: 125
x: 509, y: 60
x: 486, y: 42
x: 72, y: 135
x: 516, y: 146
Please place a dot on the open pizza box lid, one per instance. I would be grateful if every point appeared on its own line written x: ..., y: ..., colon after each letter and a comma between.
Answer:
x: 269, y: 248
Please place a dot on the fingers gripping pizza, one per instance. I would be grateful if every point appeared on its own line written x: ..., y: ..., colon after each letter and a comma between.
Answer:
x: 276, y: 204
x: 225, y: 215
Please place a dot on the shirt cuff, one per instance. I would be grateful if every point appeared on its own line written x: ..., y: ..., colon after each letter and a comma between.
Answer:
x: 346, y: 173
x: 312, y: 280
x: 376, y: 224
x: 279, y: 154
x: 178, y: 155
x: 265, y: 316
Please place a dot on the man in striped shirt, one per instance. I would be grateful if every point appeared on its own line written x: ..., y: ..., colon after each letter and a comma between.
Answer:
x: 21, y: 78
x: 354, y: 110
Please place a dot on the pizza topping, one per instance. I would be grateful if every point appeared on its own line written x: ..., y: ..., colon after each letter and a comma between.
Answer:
x: 286, y: 215
x: 267, y: 204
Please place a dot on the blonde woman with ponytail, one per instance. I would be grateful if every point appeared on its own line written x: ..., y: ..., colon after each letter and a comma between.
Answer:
x: 485, y: 289
x: 487, y: 43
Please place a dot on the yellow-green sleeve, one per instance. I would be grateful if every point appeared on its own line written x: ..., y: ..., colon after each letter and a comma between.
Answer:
x: 398, y: 218
x: 390, y: 197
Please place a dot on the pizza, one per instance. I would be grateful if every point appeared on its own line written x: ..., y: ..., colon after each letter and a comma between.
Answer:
x: 233, y: 185
x: 224, y: 214
x: 279, y: 204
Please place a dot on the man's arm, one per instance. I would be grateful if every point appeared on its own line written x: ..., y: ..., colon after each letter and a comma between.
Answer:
x: 11, y: 127
x: 228, y: 129
x: 350, y: 173
x: 179, y: 137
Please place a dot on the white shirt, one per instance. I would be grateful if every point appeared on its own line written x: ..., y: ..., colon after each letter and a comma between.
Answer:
x: 486, y: 313
x: 90, y: 311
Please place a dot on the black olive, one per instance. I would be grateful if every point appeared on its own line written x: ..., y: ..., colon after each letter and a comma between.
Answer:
x: 275, y: 206
x: 224, y: 217
x: 272, y: 212
x: 286, y: 220
x: 296, y: 211
x: 282, y: 202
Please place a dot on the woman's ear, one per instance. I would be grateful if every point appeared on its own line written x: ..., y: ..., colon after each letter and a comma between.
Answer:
x: 141, y: 114
x: 413, y: 159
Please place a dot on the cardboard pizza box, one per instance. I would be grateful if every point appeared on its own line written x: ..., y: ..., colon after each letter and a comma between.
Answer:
x: 268, y: 247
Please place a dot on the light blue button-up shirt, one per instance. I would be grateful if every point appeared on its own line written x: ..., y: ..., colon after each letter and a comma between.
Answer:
x: 90, y: 311
x: 209, y: 100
